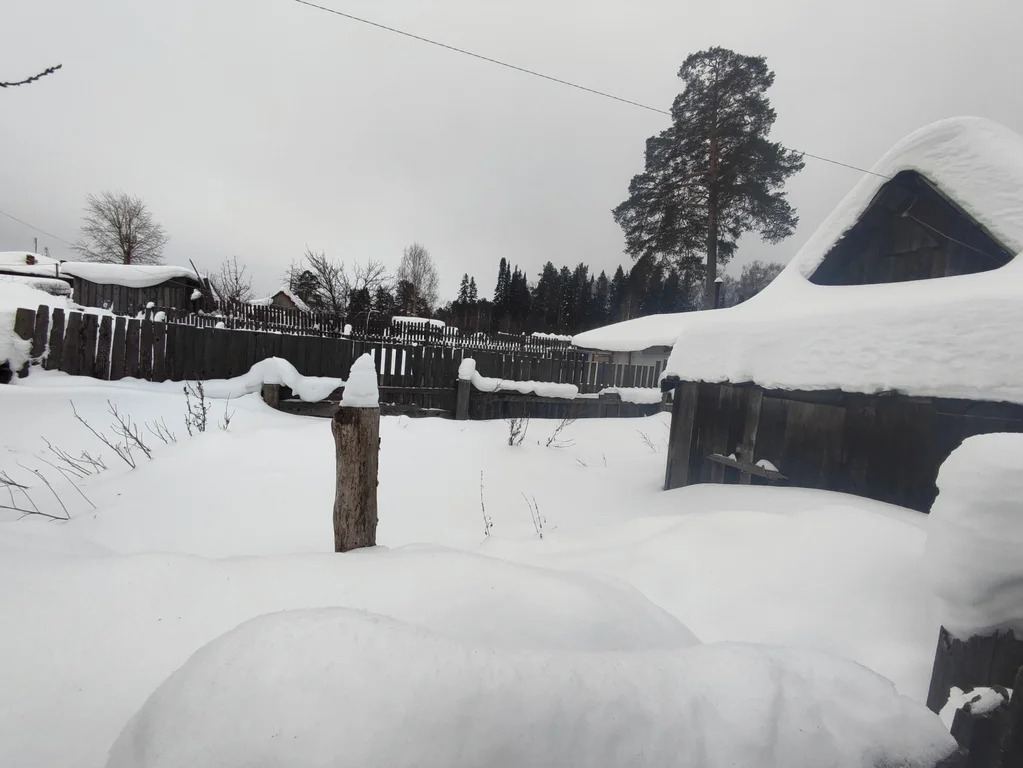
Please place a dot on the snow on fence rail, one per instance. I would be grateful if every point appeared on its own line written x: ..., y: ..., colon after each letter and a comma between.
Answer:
x: 415, y: 375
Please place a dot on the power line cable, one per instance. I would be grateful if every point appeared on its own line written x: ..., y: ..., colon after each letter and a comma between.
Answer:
x: 550, y: 78
x: 37, y: 229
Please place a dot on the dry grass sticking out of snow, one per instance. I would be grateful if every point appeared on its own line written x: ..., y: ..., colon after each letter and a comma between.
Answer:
x: 225, y: 526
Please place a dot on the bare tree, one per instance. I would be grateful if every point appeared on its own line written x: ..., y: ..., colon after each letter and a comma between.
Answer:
x: 325, y: 284
x: 418, y: 275
x: 754, y: 278
x: 231, y: 282
x: 371, y: 275
x: 332, y: 281
x: 119, y: 229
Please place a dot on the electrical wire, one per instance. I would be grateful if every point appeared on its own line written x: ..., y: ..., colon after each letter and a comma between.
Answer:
x: 541, y: 75
x: 37, y: 229
x: 33, y: 78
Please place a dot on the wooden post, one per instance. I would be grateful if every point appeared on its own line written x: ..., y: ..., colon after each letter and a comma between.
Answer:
x: 356, y: 428
x: 978, y: 662
x: 357, y: 441
x: 24, y: 328
x: 462, y: 401
x: 680, y: 442
x: 272, y: 395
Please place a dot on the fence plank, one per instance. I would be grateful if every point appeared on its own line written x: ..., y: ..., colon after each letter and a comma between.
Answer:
x: 146, y: 350
x: 159, y: 352
x: 40, y: 332
x: 56, y: 354
x: 70, y: 363
x: 131, y: 348
x: 237, y: 346
x: 90, y: 332
x: 117, y: 349
x: 101, y: 369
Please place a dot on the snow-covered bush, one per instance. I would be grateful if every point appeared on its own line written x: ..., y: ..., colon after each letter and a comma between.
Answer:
x: 340, y: 687
x: 975, y: 537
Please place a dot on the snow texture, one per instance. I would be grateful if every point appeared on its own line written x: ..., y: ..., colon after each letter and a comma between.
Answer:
x: 765, y: 464
x: 642, y: 395
x: 129, y: 275
x: 551, y: 336
x: 361, y: 389
x: 16, y: 262
x: 979, y: 701
x: 49, y: 285
x: 340, y: 687
x: 268, y: 300
x: 635, y: 335
x: 417, y: 321
x: 943, y: 337
x: 975, y: 537
x: 467, y: 371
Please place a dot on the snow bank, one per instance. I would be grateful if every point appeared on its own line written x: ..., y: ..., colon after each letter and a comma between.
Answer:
x: 943, y: 337
x: 975, y: 537
x: 47, y: 285
x: 979, y: 701
x: 467, y: 372
x: 361, y: 389
x: 340, y: 687
x: 643, y: 395
x: 417, y: 321
x: 634, y: 335
x: 130, y: 275
x: 273, y: 370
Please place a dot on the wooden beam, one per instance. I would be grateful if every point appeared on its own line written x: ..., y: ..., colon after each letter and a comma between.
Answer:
x: 680, y: 442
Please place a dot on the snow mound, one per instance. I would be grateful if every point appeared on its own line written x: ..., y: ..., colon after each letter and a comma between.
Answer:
x: 979, y: 701
x: 467, y: 372
x: 338, y: 687
x: 975, y: 536
x: 641, y: 395
x: 942, y: 337
x: 634, y: 335
x: 361, y: 389
x: 273, y: 370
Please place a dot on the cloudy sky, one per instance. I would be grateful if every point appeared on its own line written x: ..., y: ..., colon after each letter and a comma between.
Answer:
x: 260, y: 127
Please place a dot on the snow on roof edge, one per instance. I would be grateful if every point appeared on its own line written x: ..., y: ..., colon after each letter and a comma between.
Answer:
x: 128, y: 275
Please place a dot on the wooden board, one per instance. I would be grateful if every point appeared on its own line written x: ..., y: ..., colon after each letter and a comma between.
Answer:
x: 131, y: 348
x: 55, y: 356
x: 89, y: 335
x: 104, y: 344
x: 117, y: 349
x: 159, y: 372
x: 40, y: 332
x: 146, y: 350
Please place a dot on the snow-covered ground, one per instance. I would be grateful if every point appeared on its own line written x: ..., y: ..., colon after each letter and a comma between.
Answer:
x: 223, y: 527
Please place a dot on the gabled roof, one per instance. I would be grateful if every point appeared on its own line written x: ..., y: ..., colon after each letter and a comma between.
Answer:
x: 268, y: 300
x: 948, y: 337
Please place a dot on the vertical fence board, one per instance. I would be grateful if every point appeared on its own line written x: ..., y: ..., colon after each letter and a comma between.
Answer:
x: 90, y: 332
x: 40, y: 332
x: 132, y: 333
x: 146, y: 350
x: 117, y: 349
x: 56, y: 353
x: 159, y: 352
x: 101, y: 368
x: 71, y: 364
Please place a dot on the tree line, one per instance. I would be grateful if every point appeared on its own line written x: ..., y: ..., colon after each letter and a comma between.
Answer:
x: 711, y: 176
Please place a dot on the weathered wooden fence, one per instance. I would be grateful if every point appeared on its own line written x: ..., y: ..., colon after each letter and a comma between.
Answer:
x: 412, y: 376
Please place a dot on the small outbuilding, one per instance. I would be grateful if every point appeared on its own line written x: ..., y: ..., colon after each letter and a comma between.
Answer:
x: 890, y: 337
x: 127, y: 289
x: 644, y: 341
x: 284, y: 298
x: 36, y: 271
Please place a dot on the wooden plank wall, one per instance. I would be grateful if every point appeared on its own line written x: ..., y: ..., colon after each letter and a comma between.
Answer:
x: 885, y: 447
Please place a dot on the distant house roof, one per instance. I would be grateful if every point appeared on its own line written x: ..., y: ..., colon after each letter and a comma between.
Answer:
x: 266, y: 301
x: 633, y: 335
x: 947, y: 337
x: 417, y: 321
x: 28, y: 263
x: 128, y: 275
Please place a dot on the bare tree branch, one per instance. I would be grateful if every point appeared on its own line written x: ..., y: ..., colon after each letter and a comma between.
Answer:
x: 231, y: 282
x: 32, y: 79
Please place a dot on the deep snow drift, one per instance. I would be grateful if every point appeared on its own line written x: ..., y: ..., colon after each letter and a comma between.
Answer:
x: 974, y: 554
x: 308, y: 688
x: 226, y: 526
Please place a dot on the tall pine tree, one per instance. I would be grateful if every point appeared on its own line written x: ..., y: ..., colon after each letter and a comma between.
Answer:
x: 712, y: 175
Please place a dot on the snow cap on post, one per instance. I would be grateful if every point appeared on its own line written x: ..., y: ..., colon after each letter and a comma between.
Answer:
x: 361, y: 388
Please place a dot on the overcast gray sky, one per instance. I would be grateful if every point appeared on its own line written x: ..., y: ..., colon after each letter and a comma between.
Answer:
x: 257, y: 127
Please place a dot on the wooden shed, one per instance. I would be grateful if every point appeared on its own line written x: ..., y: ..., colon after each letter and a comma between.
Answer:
x: 127, y: 289
x: 890, y: 337
x: 284, y: 298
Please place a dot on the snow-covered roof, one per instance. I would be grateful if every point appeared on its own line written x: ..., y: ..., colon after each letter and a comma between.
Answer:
x: 944, y: 337
x: 129, y: 275
x: 28, y: 263
x: 268, y: 300
x: 634, y: 335
x: 550, y: 336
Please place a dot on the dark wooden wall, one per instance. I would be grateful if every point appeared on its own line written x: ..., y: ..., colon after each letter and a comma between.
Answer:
x: 123, y: 300
x: 885, y: 447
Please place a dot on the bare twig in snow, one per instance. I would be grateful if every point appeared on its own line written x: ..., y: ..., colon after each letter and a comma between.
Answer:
x: 197, y: 407
x: 228, y: 415
x: 539, y: 521
x: 487, y: 522
x: 128, y: 430
x: 159, y: 429
x: 647, y: 441
x: 517, y: 428
x: 123, y: 451
x: 555, y: 441
x: 41, y: 476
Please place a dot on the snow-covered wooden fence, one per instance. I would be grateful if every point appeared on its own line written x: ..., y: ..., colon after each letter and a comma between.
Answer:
x: 411, y: 376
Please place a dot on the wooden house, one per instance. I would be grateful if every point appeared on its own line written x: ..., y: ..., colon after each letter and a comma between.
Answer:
x: 645, y: 341
x: 127, y: 289
x: 36, y: 271
x: 889, y: 338
x: 283, y: 299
